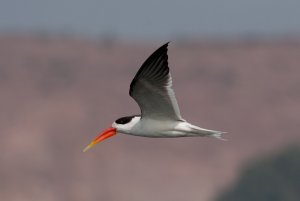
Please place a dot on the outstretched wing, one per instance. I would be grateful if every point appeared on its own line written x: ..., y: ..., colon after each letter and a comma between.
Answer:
x: 152, y: 89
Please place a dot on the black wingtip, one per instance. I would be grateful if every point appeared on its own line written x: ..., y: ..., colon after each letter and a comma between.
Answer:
x: 166, y: 44
x: 159, y: 55
x: 163, y: 47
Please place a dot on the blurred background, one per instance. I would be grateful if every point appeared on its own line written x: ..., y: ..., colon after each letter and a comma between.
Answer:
x: 65, y: 70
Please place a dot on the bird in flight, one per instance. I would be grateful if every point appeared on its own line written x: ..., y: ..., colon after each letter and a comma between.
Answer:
x: 160, y: 117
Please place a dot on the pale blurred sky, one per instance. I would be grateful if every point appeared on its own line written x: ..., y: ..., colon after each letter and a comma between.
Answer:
x: 153, y: 18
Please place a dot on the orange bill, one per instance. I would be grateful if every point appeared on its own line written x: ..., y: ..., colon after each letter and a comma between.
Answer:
x: 102, y: 136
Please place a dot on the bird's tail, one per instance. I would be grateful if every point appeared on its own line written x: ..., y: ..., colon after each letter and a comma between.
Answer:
x: 218, y: 135
x: 207, y: 133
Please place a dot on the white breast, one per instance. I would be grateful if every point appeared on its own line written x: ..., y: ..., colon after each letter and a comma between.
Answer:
x: 155, y: 128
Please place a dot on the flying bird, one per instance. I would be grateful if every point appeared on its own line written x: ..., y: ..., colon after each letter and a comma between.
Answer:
x: 160, y: 117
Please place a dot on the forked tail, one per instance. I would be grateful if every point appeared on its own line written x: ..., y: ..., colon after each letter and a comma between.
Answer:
x: 218, y: 135
x: 207, y: 133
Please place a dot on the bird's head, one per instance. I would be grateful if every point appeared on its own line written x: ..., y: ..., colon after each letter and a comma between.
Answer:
x: 121, y: 125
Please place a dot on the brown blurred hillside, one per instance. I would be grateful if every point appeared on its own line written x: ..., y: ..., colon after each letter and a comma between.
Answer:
x: 57, y: 93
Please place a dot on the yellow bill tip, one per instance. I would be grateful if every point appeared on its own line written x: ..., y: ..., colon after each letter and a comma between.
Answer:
x: 88, y: 147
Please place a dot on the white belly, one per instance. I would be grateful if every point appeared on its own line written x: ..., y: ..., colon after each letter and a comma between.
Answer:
x: 154, y: 128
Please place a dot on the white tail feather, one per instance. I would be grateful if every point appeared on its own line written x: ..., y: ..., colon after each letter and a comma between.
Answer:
x: 218, y: 135
x: 207, y: 133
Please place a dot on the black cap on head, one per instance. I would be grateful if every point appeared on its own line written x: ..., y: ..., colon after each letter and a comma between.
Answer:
x: 124, y: 120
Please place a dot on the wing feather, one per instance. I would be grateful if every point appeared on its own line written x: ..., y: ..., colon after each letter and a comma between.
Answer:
x: 152, y: 89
